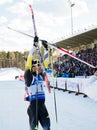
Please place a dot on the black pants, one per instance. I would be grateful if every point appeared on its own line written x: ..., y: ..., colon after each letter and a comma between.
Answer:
x: 37, y: 112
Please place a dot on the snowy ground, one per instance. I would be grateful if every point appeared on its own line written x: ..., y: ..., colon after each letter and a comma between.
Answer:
x: 74, y: 112
x: 10, y: 73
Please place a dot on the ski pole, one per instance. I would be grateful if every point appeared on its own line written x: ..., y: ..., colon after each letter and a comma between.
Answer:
x: 55, y: 105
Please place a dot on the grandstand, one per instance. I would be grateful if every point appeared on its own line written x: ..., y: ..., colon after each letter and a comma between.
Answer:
x: 85, y: 47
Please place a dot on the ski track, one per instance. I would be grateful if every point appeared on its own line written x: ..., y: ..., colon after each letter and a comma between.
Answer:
x: 74, y: 112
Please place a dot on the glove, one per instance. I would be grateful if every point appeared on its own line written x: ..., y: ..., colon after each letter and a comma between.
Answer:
x: 36, y: 41
x: 44, y: 43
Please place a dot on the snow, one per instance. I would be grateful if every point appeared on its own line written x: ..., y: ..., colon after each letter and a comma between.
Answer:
x: 10, y: 73
x: 74, y: 112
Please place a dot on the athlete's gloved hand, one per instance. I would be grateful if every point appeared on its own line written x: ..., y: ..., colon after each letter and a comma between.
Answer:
x: 44, y: 43
x: 36, y: 41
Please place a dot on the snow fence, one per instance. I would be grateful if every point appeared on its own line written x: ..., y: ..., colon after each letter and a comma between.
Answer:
x: 76, y: 85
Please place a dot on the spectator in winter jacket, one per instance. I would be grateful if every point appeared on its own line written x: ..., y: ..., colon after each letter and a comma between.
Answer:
x: 37, y: 110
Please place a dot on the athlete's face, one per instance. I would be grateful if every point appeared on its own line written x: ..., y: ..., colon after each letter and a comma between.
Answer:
x: 34, y: 69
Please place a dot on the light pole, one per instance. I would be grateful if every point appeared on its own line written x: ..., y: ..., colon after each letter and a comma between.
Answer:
x: 71, y: 6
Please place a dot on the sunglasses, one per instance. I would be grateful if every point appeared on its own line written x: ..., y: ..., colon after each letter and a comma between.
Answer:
x: 36, y: 65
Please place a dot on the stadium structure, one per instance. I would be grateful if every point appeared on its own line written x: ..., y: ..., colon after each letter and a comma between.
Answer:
x: 83, y: 40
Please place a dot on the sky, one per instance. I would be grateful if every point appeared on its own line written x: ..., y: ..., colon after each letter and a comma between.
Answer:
x: 73, y: 112
x: 52, y: 18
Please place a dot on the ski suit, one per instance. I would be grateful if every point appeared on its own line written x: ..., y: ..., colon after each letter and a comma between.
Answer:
x: 35, y: 95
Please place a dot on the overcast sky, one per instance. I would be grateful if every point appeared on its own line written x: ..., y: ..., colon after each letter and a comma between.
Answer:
x: 52, y: 17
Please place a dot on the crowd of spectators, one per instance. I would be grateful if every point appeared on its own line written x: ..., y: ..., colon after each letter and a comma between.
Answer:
x: 67, y: 66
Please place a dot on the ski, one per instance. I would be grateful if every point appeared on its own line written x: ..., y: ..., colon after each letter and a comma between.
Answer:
x: 39, y: 52
x: 62, y: 50
x: 35, y: 34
